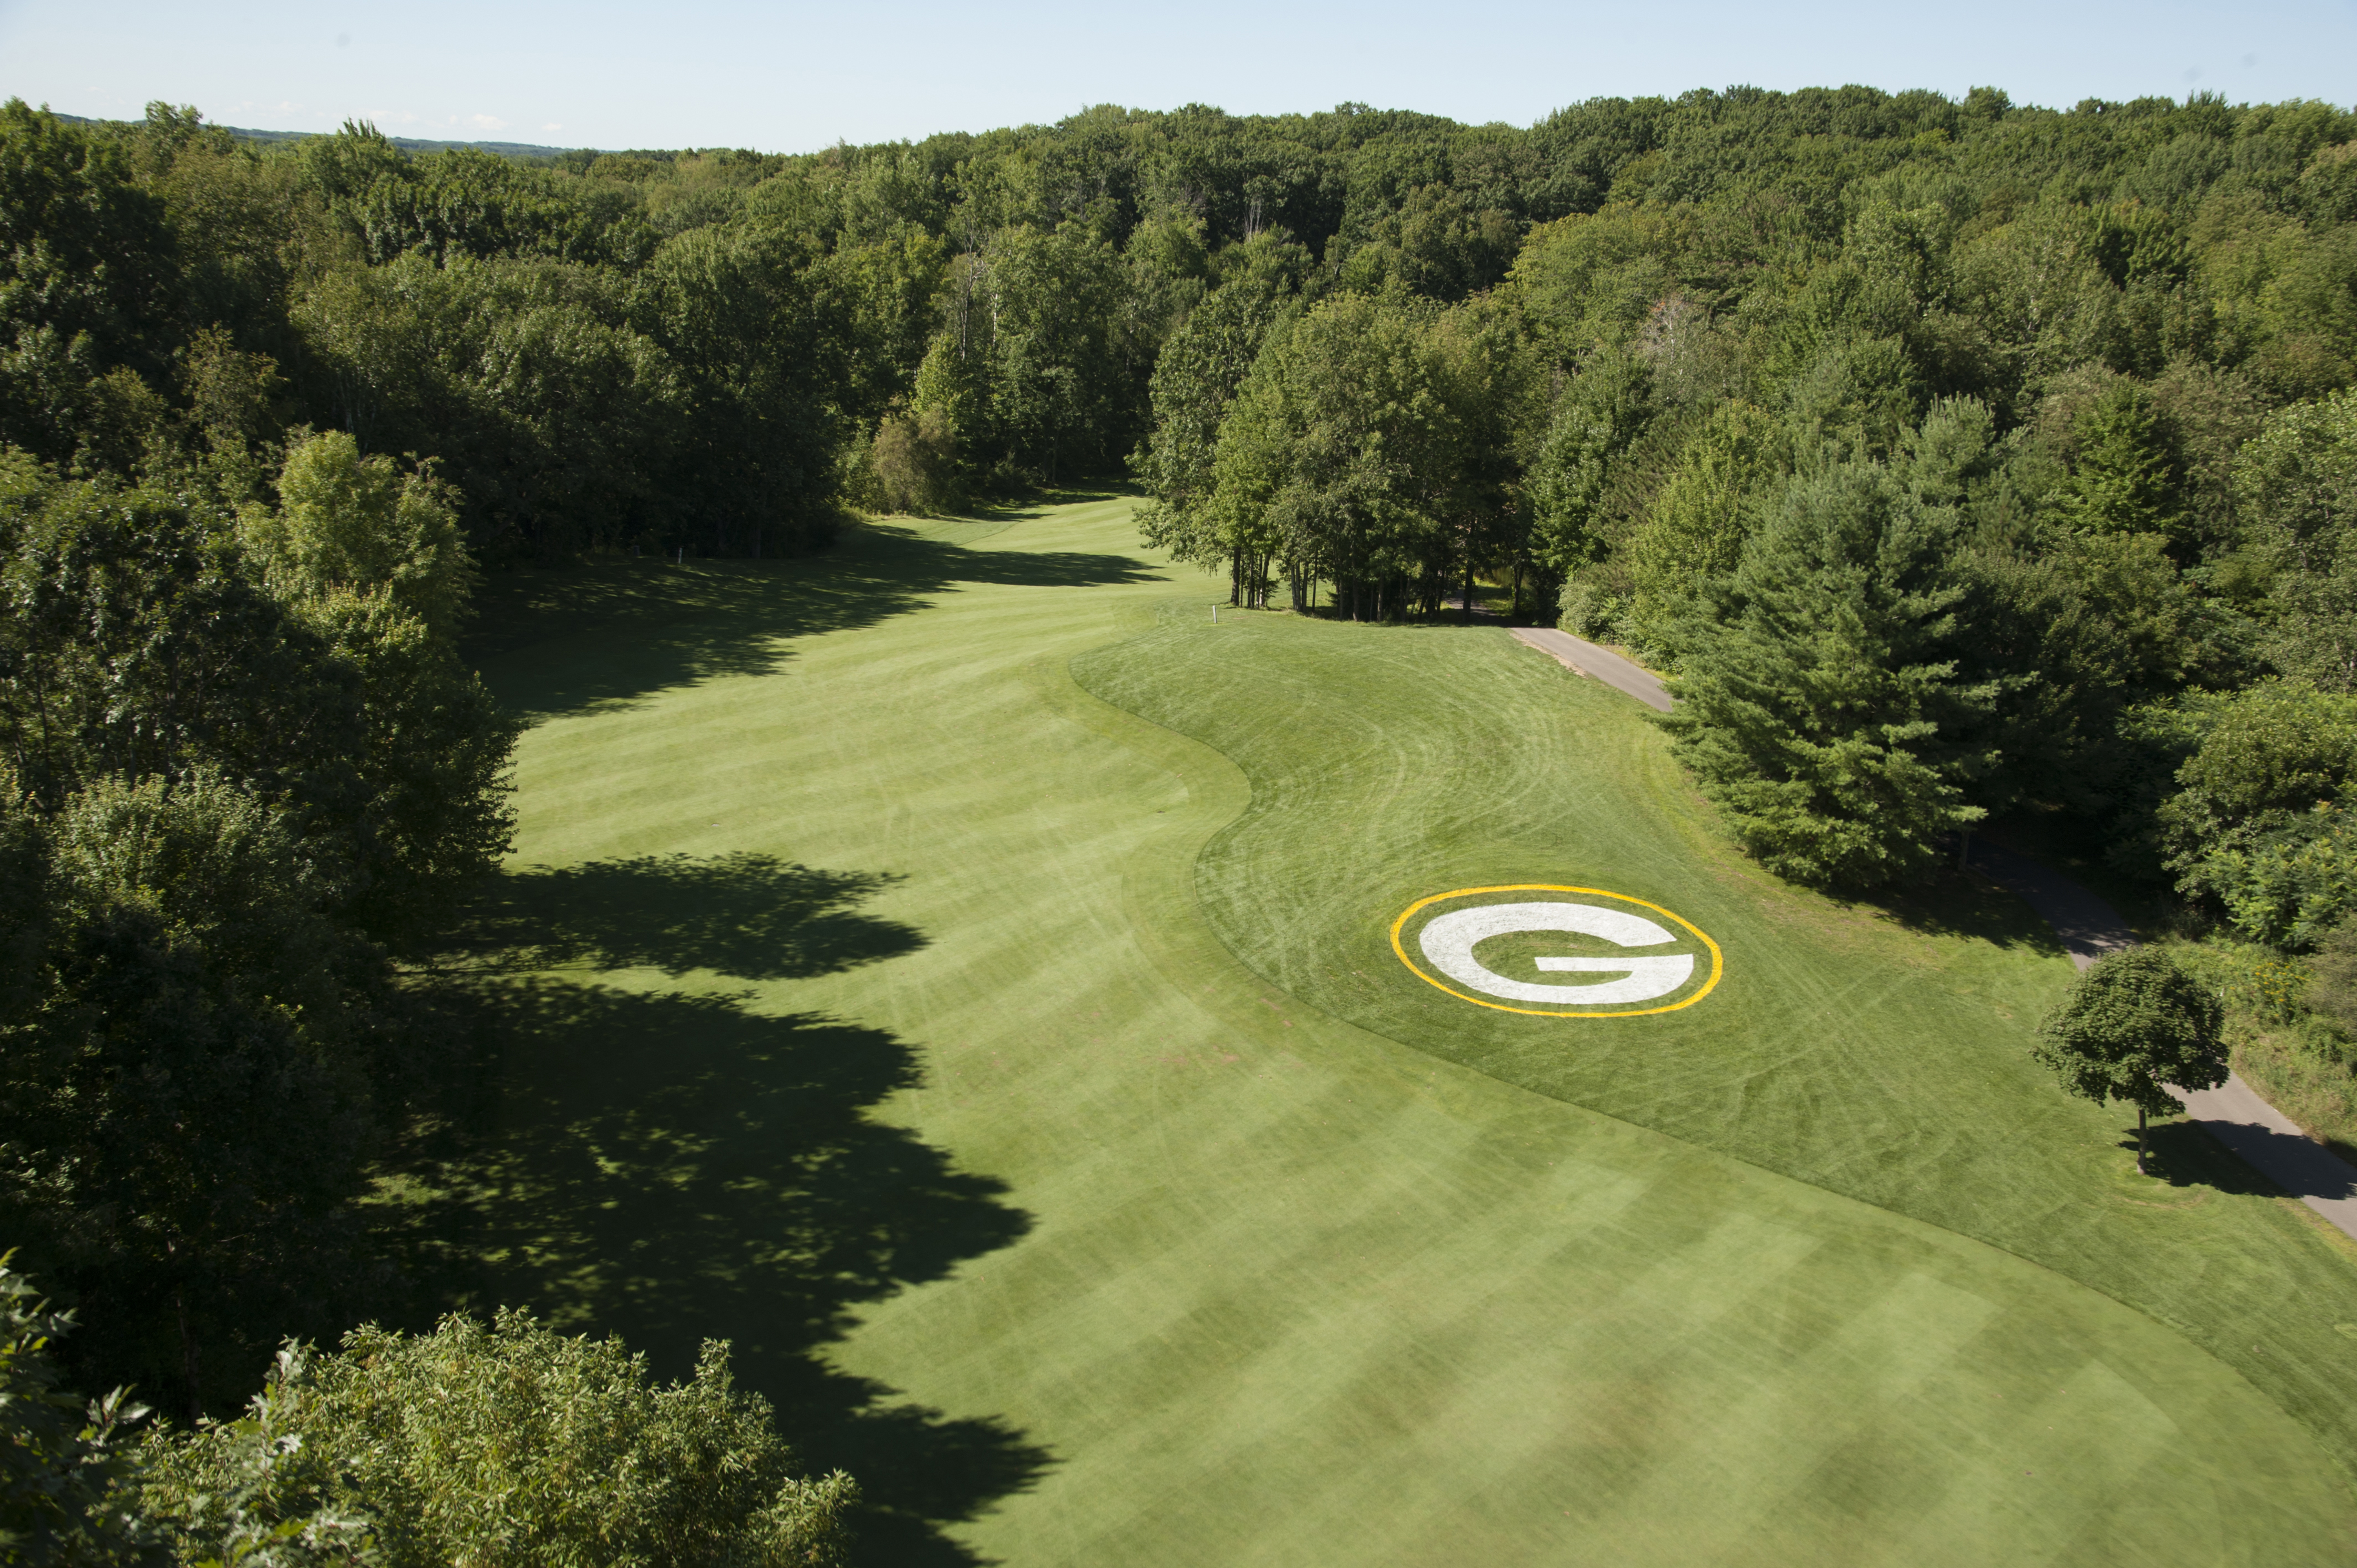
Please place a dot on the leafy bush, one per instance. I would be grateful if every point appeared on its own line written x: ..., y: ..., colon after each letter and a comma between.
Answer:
x: 66, y: 1494
x: 1587, y: 610
x: 915, y: 459
x: 2273, y: 991
x: 2255, y: 826
x: 2285, y: 884
x: 509, y: 1443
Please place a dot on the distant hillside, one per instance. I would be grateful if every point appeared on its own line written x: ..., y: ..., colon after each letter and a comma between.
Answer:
x: 409, y: 143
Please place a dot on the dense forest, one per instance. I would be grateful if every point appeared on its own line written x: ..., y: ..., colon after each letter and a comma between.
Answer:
x: 1958, y: 462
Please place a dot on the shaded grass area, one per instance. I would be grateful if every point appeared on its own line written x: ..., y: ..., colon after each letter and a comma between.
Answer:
x: 674, y: 1166
x: 1881, y: 1053
x: 673, y: 1157
x: 743, y: 914
x: 563, y: 640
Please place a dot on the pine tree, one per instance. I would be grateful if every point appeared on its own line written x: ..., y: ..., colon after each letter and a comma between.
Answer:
x: 2126, y: 481
x: 1694, y: 529
x: 1820, y: 703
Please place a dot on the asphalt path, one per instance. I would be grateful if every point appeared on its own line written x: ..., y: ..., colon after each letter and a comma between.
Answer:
x: 1582, y: 656
x: 2267, y: 1139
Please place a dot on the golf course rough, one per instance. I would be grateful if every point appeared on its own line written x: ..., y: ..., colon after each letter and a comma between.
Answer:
x: 1096, y: 1183
x: 1447, y: 927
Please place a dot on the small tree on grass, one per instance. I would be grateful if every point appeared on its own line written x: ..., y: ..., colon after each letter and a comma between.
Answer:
x: 2132, y: 1024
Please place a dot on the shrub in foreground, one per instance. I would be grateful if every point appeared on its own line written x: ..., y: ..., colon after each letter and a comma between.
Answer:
x: 510, y: 1444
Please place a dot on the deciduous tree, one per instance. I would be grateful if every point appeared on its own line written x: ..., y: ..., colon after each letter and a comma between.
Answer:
x: 2135, y: 1023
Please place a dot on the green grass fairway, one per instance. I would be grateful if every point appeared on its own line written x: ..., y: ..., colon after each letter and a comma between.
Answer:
x: 956, y: 971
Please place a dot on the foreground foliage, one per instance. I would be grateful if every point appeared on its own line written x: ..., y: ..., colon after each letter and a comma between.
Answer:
x: 67, y: 1473
x: 240, y: 766
x: 506, y: 1442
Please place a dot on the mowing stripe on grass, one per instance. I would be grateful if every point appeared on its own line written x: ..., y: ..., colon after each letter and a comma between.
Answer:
x: 1075, y: 1192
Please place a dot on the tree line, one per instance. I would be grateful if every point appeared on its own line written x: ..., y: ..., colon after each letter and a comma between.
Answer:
x: 1949, y: 455
x: 244, y: 777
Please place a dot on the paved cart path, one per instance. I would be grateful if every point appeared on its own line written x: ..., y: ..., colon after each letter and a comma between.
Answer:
x: 2267, y: 1139
x: 1582, y: 656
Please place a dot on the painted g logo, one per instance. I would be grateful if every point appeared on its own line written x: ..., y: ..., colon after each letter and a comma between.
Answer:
x: 1446, y: 940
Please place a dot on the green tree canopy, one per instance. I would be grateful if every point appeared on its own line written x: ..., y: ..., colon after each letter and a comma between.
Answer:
x: 355, y: 523
x: 1820, y: 702
x: 1696, y: 525
x: 1202, y: 366
x: 2126, y: 480
x: 509, y: 1443
x: 2259, y: 824
x: 2133, y: 1024
x: 2296, y: 484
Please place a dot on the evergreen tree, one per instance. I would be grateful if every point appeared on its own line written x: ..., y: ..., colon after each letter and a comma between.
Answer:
x: 1695, y: 527
x: 1820, y: 703
x: 2126, y: 481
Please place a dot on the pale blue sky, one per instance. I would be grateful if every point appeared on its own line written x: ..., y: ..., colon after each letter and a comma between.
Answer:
x: 792, y: 78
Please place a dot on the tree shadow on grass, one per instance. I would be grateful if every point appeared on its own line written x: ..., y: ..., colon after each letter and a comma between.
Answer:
x: 752, y: 916
x: 675, y: 1167
x: 1016, y: 509
x: 2247, y: 1158
x: 555, y: 640
x: 1967, y: 905
x: 2182, y: 1154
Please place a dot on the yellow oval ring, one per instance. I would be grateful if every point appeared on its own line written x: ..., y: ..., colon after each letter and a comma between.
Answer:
x: 1718, y: 960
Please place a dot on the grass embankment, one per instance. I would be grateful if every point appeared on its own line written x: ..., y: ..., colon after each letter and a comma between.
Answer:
x: 874, y: 1020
